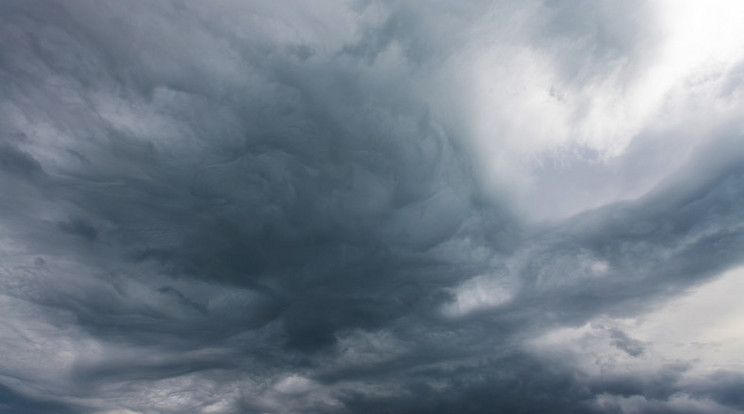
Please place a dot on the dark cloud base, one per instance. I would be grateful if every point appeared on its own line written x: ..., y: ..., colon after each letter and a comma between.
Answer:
x: 202, y: 215
x: 15, y: 403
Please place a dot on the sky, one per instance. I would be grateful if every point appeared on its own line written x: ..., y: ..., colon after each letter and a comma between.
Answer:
x: 359, y: 206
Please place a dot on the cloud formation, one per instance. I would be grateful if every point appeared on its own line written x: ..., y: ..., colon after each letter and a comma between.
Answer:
x: 368, y: 206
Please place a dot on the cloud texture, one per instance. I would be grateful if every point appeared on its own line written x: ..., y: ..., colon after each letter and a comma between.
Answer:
x: 370, y: 206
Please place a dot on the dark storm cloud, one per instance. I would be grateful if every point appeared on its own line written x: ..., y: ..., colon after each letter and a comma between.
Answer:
x: 262, y: 212
x: 624, y: 342
x: 14, y: 403
x: 16, y: 162
x: 80, y: 228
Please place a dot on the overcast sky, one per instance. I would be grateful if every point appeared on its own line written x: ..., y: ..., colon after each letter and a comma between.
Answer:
x: 363, y: 206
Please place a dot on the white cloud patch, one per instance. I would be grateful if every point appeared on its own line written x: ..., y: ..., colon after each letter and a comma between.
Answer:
x: 479, y: 293
x: 681, y: 343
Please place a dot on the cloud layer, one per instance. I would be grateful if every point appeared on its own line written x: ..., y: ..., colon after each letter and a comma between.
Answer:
x: 360, y: 206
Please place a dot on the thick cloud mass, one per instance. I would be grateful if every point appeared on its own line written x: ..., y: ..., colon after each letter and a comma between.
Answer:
x: 362, y: 206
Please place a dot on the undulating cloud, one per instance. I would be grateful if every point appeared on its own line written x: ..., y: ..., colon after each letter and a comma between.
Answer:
x: 371, y: 206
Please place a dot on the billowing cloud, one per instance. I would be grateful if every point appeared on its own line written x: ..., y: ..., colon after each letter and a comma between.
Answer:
x: 370, y: 206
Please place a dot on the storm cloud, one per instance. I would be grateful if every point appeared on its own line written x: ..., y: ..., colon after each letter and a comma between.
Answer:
x: 371, y: 206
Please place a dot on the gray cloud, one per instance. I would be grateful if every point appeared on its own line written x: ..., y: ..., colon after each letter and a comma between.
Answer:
x: 231, y: 207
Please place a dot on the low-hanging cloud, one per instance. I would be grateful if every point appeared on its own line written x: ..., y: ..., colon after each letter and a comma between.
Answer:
x: 358, y: 206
